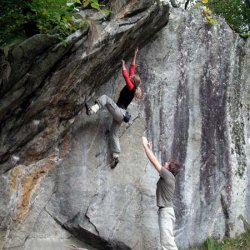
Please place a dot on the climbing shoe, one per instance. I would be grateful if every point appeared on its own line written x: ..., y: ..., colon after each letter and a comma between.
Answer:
x: 88, y: 109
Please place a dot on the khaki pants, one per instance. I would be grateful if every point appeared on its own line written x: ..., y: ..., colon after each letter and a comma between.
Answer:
x: 117, y: 114
x: 166, y: 219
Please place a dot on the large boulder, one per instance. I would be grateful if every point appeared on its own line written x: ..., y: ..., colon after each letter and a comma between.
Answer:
x: 57, y: 188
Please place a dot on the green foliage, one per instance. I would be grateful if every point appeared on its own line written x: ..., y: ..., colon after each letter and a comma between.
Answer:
x: 28, y: 17
x: 242, y: 242
x: 21, y: 19
x: 207, y: 14
x: 235, y: 12
x: 94, y: 4
x: 11, y: 19
x: 210, y: 244
x: 48, y: 14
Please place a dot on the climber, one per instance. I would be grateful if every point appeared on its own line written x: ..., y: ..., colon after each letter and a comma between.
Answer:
x: 164, y: 196
x: 119, y: 110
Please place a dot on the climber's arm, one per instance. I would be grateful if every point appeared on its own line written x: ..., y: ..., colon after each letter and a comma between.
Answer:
x: 126, y: 76
x: 150, y: 154
x: 132, y: 65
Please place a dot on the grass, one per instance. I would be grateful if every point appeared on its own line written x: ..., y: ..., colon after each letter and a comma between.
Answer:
x: 241, y: 242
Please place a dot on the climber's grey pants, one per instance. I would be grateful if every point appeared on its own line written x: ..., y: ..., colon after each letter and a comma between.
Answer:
x: 166, y: 220
x: 118, y: 114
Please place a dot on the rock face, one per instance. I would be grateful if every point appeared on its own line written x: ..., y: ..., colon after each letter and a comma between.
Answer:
x: 57, y: 188
x: 197, y: 111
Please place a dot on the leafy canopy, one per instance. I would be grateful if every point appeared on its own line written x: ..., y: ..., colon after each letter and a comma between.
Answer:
x: 235, y: 12
x: 22, y: 19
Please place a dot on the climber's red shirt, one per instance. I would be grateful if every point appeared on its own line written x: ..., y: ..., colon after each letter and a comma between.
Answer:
x: 127, y: 77
x: 128, y: 92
